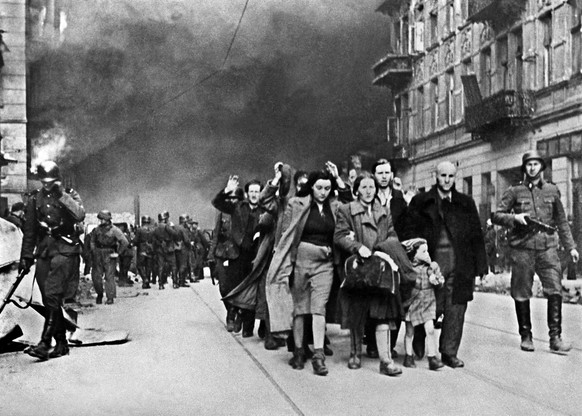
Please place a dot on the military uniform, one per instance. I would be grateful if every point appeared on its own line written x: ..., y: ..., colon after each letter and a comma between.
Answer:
x: 49, y: 235
x: 106, y: 241
x: 533, y: 250
x: 165, y: 248
x: 199, y: 250
x: 182, y: 254
x: 144, y: 242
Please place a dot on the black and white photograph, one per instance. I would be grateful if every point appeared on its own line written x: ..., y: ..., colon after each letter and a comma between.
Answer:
x: 290, y: 207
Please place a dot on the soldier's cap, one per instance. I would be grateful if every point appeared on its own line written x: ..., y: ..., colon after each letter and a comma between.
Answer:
x: 104, y: 215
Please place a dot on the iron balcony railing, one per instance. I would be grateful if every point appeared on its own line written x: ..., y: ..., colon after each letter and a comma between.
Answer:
x: 505, y: 107
x: 393, y: 71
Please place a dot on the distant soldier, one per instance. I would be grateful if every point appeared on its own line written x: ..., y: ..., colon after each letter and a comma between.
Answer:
x: 534, y: 212
x: 144, y: 242
x: 50, y: 236
x: 165, y: 236
x: 182, y: 250
x: 107, y: 241
x: 125, y: 257
x: 199, y: 249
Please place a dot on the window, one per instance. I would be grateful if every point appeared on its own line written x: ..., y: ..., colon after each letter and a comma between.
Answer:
x: 451, y: 24
x: 546, y: 26
x: 466, y: 69
x: 420, y: 111
x: 434, y: 25
x: 518, y: 60
x: 486, y: 72
x: 403, y: 119
x: 503, y: 62
x: 405, y: 46
x: 434, y: 104
x: 450, y: 99
x: 576, y: 30
x: 417, y: 35
x: 468, y: 186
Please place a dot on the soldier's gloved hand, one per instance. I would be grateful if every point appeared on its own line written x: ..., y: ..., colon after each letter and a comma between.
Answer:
x: 25, y: 265
x: 575, y: 256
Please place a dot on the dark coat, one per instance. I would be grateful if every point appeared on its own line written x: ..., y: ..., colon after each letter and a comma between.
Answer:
x: 398, y: 210
x: 462, y: 221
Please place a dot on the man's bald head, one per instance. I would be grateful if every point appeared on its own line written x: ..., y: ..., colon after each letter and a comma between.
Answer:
x: 445, y: 175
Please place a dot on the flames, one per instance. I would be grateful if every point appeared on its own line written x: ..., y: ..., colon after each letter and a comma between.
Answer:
x: 52, y: 145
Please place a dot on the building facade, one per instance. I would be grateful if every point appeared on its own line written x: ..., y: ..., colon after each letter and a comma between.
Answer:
x: 480, y: 82
x: 31, y: 27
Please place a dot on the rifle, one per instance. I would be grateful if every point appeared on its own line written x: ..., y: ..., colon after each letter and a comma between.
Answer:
x: 12, y: 289
x: 537, y: 225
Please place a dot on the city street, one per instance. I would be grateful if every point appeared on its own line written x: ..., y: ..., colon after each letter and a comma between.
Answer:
x: 181, y: 361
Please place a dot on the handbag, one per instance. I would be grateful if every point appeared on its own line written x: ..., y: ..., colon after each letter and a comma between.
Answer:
x: 369, y: 276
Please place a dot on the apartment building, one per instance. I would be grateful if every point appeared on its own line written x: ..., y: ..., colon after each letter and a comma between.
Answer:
x: 479, y: 83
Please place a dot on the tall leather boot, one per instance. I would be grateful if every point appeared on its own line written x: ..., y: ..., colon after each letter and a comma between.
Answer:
x: 555, y: 324
x: 522, y: 311
x: 60, y: 335
x: 355, y: 360
x: 41, y: 351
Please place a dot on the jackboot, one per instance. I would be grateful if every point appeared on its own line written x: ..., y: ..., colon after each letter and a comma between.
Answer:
x: 62, y: 346
x: 41, y: 351
x: 555, y: 324
x: 318, y: 362
x: 524, y: 322
x: 355, y: 361
x: 238, y: 320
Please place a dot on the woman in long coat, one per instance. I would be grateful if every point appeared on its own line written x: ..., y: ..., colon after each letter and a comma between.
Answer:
x: 305, y: 251
x: 365, y: 227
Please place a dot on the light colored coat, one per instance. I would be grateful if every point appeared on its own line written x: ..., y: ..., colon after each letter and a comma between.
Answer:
x: 282, y: 265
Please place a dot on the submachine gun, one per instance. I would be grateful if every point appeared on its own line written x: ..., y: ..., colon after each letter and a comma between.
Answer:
x: 536, y: 225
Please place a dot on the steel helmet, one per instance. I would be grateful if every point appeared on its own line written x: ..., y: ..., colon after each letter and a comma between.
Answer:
x: 160, y: 217
x: 183, y: 218
x: 532, y: 155
x: 165, y: 215
x: 148, y: 219
x: 145, y: 219
x: 48, y: 171
x: 104, y: 215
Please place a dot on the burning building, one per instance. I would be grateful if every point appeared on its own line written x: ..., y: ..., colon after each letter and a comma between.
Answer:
x: 26, y: 29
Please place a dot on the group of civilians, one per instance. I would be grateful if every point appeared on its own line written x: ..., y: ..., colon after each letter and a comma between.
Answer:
x: 280, y: 259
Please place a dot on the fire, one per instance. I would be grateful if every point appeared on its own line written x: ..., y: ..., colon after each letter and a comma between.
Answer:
x: 51, y: 144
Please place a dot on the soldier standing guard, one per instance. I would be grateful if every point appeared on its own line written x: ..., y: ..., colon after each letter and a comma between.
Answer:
x: 534, y: 249
x: 165, y: 236
x: 49, y: 236
x: 107, y: 241
x: 199, y: 250
x: 143, y: 240
x: 182, y: 251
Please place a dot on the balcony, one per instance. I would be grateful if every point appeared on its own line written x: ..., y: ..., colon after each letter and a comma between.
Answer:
x: 393, y: 71
x: 505, y: 108
x: 495, y: 10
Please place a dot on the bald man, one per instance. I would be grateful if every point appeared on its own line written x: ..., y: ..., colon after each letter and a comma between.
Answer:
x: 449, y: 222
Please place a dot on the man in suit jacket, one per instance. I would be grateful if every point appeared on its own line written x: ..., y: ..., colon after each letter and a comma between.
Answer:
x: 448, y: 220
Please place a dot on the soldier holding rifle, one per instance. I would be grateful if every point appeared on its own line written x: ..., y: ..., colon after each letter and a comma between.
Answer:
x: 534, y: 212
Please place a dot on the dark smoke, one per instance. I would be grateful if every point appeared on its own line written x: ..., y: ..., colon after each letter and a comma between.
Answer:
x: 296, y: 87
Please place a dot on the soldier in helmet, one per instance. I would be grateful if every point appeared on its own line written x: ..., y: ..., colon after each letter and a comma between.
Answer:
x: 535, y: 249
x: 49, y: 235
x: 182, y: 251
x: 107, y: 241
x: 165, y: 236
x: 143, y: 241
x: 200, y: 246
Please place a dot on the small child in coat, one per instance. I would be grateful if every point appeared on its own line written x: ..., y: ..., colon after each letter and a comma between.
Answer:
x: 421, y: 305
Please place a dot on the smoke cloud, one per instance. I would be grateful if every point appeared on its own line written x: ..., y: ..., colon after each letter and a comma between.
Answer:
x: 126, y: 87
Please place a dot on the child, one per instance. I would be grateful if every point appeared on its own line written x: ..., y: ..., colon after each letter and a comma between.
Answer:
x: 421, y: 306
